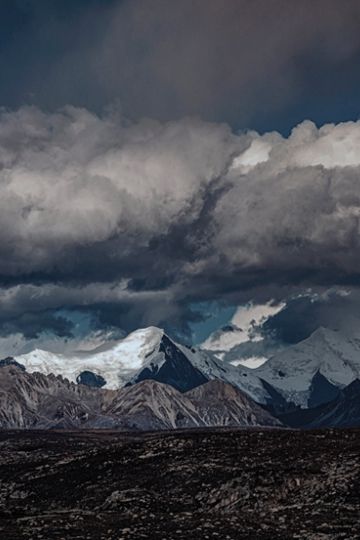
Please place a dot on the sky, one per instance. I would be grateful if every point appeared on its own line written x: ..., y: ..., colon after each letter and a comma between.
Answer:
x: 162, y: 163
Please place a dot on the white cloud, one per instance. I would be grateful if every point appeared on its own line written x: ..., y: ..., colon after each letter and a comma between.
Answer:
x: 258, y: 152
x: 330, y: 146
x: 72, y: 178
x: 251, y: 316
x: 245, y: 326
x: 299, y: 208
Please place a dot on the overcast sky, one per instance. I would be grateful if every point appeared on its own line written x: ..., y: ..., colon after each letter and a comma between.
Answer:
x: 160, y: 159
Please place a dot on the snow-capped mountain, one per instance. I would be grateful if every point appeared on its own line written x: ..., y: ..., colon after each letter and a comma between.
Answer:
x: 144, y: 354
x: 307, y: 373
x: 115, y: 364
x: 186, y: 368
x: 29, y: 400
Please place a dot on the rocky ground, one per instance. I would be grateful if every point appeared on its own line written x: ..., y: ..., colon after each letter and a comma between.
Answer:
x: 209, y: 484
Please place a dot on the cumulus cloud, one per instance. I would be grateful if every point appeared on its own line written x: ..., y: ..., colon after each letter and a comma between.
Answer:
x: 133, y: 223
x: 295, y: 213
x: 73, y: 179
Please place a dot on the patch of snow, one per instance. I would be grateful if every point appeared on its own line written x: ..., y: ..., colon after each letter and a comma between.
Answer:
x: 252, y: 362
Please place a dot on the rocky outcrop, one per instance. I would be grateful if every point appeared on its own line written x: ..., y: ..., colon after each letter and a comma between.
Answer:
x: 224, y: 405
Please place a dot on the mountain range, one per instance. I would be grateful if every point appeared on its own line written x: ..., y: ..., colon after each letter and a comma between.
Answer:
x: 38, y: 401
x: 297, y: 386
x: 147, y: 353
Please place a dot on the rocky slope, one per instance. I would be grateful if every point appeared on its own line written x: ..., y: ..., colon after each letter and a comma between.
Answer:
x: 220, y: 484
x: 34, y: 400
x: 223, y: 405
x: 343, y: 411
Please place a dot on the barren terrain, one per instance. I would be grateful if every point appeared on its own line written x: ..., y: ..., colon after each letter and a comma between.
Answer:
x: 200, y: 484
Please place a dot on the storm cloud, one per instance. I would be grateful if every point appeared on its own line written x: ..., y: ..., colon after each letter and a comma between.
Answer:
x: 134, y: 223
x: 337, y: 309
x: 258, y: 63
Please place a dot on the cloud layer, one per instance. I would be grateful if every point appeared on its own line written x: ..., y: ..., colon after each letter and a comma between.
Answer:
x: 249, y: 63
x: 131, y: 224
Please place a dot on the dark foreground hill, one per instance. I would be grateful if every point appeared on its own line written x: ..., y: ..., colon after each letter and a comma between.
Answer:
x: 248, y: 484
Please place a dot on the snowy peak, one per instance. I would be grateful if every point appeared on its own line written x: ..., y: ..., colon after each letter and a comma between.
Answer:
x: 170, y: 365
x: 327, y: 353
x: 114, y: 364
x: 325, y: 335
x: 137, y: 344
x: 147, y: 353
x: 186, y: 368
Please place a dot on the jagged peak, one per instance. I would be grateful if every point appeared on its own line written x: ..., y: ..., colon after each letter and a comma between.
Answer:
x: 10, y: 361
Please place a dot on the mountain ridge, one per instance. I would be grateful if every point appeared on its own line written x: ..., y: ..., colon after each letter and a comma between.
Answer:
x: 146, y: 353
x: 305, y: 375
x: 35, y: 400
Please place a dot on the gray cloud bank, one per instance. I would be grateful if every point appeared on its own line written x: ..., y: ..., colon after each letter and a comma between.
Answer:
x: 134, y: 223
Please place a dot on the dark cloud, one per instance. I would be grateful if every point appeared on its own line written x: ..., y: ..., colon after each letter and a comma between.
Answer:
x: 131, y: 224
x: 128, y: 221
x: 296, y: 321
x: 32, y: 325
x: 260, y: 63
x: 301, y: 316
